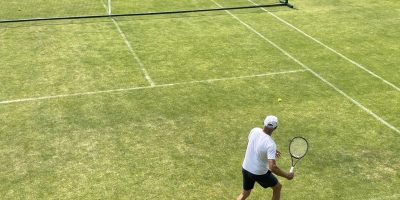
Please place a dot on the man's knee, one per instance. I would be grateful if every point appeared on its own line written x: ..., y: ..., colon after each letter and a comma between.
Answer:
x: 277, y: 187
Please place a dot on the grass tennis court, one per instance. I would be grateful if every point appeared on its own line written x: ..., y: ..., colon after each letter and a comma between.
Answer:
x: 160, y: 107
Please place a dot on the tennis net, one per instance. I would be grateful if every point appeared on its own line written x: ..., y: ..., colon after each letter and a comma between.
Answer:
x: 35, y: 10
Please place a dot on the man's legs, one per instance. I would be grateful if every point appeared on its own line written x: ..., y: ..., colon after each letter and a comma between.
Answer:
x: 276, y: 192
x: 248, y: 185
x: 244, y: 195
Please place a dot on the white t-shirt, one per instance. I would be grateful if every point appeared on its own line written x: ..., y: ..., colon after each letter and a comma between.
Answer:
x: 260, y: 149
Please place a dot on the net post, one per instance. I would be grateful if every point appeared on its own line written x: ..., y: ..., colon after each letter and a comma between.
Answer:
x: 286, y: 2
x: 109, y: 8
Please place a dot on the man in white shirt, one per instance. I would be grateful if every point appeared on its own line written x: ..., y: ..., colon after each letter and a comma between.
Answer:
x: 259, y: 161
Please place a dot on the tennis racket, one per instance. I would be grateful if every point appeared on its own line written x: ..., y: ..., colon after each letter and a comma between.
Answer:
x: 298, y: 148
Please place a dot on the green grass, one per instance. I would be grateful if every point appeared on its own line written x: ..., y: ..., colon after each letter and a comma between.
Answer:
x: 15, y: 9
x: 185, y: 138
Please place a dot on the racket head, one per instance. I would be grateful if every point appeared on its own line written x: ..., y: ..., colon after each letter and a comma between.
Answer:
x: 298, y: 147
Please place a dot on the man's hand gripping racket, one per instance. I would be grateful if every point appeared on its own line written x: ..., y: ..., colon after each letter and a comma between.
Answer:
x: 298, y: 148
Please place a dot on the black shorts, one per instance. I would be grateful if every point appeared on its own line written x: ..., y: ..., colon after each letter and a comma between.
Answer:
x: 265, y: 180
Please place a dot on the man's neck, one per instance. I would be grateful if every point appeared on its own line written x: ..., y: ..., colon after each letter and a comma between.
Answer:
x: 268, y: 132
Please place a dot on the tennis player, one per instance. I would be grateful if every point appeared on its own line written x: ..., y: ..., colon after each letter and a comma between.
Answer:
x: 259, y: 163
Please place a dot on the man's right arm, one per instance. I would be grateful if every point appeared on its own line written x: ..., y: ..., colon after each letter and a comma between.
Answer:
x: 276, y: 170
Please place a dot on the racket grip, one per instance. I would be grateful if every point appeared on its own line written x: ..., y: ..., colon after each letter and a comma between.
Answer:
x: 291, y: 169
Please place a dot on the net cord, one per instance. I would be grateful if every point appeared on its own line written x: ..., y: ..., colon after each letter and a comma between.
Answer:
x: 109, y: 14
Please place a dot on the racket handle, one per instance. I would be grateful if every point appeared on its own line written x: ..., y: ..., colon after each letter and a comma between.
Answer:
x: 291, y: 169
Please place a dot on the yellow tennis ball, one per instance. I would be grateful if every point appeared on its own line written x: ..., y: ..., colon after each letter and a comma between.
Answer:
x: 279, y: 99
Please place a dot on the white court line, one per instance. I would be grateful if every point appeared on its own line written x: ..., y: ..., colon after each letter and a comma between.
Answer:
x: 329, y: 48
x: 128, y: 44
x: 312, y: 71
x: 146, y: 74
x: 105, y: 6
x: 144, y: 87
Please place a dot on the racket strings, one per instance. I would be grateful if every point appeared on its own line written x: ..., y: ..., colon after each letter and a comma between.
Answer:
x: 298, y: 147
